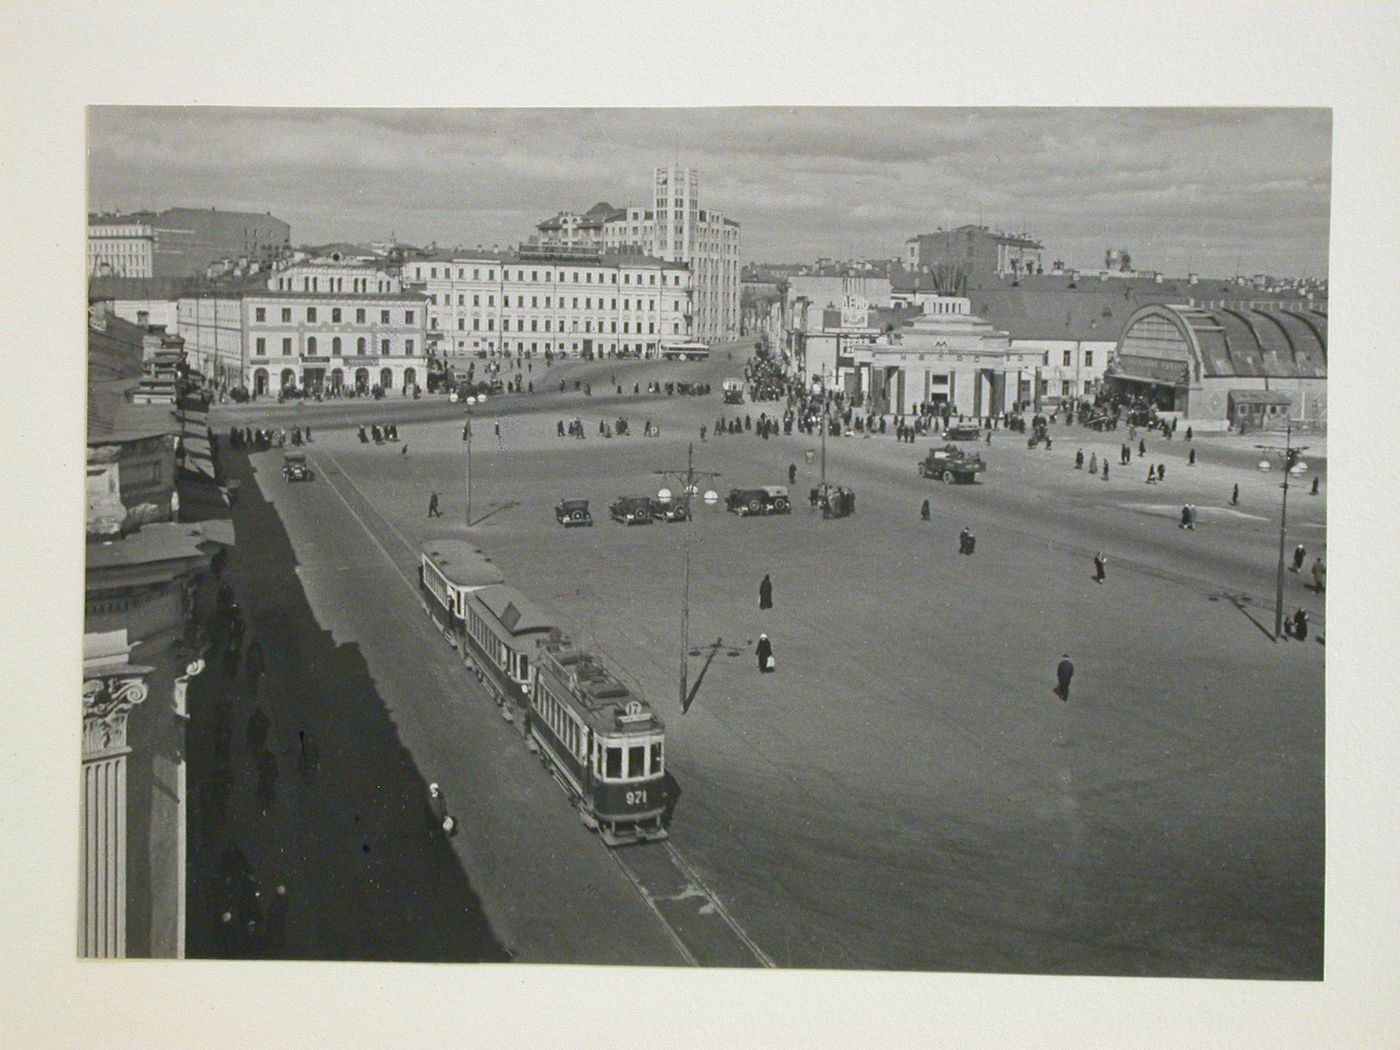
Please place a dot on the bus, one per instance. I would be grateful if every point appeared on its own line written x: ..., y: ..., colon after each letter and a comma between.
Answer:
x: 685, y: 351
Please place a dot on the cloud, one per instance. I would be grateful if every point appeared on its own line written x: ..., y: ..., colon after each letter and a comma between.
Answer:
x: 802, y: 181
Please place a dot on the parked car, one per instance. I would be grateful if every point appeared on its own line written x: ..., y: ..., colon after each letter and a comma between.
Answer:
x: 670, y: 510
x: 571, y: 512
x: 631, y: 510
x: 963, y: 432
x: 770, y: 499
x: 295, y: 467
x: 951, y: 464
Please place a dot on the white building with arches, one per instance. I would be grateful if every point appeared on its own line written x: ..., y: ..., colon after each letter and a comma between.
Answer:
x: 334, y: 327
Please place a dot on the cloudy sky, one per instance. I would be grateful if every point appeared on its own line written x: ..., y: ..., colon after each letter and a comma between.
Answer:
x: 1210, y: 190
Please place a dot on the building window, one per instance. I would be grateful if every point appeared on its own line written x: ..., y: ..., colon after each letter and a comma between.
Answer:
x: 1088, y: 359
x: 311, y: 345
x: 476, y: 300
x: 335, y: 346
x: 335, y: 315
x: 311, y: 314
x: 286, y: 348
x: 384, y: 347
x: 262, y: 346
x: 360, y: 345
x: 260, y: 313
x: 408, y: 317
x: 408, y: 347
x: 360, y: 316
x: 476, y: 324
x: 461, y: 323
x: 383, y: 316
x: 1067, y: 358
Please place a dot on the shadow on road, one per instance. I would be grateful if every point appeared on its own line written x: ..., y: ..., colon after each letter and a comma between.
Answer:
x: 1240, y: 602
x: 368, y: 877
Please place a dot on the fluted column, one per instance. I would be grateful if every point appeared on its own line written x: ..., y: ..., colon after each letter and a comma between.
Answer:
x: 107, y: 701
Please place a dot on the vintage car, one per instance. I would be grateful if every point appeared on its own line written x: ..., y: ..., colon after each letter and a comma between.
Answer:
x: 295, y: 467
x: 963, y: 432
x: 770, y: 499
x: 571, y: 512
x: 670, y: 510
x: 950, y: 464
x: 631, y: 510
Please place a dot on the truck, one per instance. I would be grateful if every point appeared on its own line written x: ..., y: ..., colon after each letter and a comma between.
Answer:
x: 951, y: 464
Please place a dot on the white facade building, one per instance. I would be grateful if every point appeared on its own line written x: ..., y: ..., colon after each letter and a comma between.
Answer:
x: 120, y: 247
x: 562, y: 301
x: 676, y: 229
x: 333, y: 327
x: 211, y: 324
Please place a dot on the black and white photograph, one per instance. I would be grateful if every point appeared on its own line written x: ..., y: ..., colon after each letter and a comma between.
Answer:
x: 879, y: 537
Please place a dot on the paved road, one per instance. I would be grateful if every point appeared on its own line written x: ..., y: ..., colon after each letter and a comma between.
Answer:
x: 906, y: 792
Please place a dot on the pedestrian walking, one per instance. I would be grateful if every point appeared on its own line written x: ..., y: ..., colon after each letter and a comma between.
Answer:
x: 1185, y: 518
x: 433, y: 511
x: 1079, y: 460
x: 1316, y: 482
x: 1161, y: 472
x: 1100, y: 567
x: 1105, y: 470
x: 764, y: 652
x: 1191, y: 458
x: 1319, y: 575
x: 1300, y: 555
x: 765, y: 593
x: 792, y: 473
x: 1235, y: 496
x: 1189, y: 432
x: 967, y: 542
x: 1094, y: 463
x: 1142, y: 446
x: 1151, y: 475
x: 404, y: 451
x: 439, y: 817
x: 924, y: 512
x: 1064, y: 674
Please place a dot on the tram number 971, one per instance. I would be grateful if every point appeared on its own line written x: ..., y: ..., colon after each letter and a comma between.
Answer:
x: 636, y: 798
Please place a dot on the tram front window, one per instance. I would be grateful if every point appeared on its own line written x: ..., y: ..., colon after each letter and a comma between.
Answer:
x: 636, y: 762
x: 612, y: 768
x: 656, y: 759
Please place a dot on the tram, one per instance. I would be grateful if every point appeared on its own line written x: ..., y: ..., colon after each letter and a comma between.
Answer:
x: 599, y: 739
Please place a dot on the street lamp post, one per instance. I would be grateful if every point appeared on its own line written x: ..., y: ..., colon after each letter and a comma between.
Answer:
x: 469, y: 467
x: 686, y: 479
x: 1290, y: 460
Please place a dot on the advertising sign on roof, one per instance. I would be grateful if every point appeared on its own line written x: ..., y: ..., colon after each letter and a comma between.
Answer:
x: 855, y: 311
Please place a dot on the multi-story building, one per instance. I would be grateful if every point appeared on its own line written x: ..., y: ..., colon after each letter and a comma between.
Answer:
x: 973, y: 252
x: 675, y: 229
x: 120, y: 246
x: 564, y: 301
x: 329, y: 327
x: 188, y: 240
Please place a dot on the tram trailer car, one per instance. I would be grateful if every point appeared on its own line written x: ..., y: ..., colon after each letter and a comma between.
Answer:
x: 448, y: 571
x: 603, y: 743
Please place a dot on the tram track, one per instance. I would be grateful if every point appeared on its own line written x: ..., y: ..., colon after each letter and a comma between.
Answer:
x: 690, y: 913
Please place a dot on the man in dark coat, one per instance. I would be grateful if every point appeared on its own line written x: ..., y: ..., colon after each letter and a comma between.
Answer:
x: 1100, y: 567
x: 1063, y: 674
x: 433, y: 511
x: 792, y: 473
x: 1235, y: 496
x: 1300, y: 555
x: 765, y: 593
x: 924, y: 512
x: 764, y: 652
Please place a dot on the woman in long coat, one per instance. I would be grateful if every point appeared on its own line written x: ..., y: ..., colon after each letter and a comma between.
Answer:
x: 764, y: 652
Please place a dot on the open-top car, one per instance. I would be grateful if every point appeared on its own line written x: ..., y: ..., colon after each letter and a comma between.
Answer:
x: 631, y: 510
x: 295, y: 467
x: 963, y: 432
x: 571, y: 512
x: 770, y: 499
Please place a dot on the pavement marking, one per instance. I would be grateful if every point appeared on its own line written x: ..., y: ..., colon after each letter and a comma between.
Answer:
x: 651, y: 903
x: 719, y: 907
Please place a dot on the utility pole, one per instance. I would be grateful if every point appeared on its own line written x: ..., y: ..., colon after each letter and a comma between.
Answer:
x: 686, y: 479
x: 1291, y: 456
